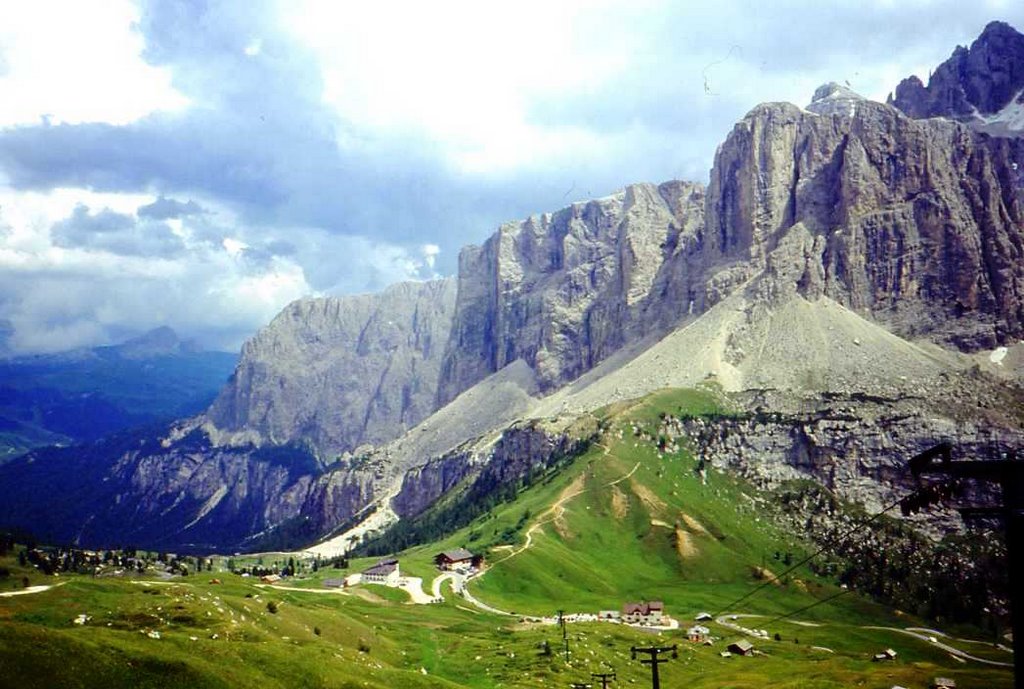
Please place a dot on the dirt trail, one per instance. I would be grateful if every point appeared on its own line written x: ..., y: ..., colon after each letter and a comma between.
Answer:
x: 30, y: 590
x: 549, y: 515
x: 557, y: 509
x: 552, y: 513
x: 952, y: 650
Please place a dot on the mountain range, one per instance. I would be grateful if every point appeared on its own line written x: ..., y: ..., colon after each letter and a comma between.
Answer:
x: 83, y: 394
x: 850, y: 281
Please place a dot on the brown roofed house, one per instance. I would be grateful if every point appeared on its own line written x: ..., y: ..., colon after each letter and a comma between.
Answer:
x: 454, y: 559
x: 644, y: 612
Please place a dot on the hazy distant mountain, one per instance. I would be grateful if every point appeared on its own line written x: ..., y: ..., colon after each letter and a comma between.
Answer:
x: 83, y: 394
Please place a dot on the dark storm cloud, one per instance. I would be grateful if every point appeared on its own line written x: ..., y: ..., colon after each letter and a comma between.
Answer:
x: 165, y: 209
x: 117, y: 233
x: 261, y: 139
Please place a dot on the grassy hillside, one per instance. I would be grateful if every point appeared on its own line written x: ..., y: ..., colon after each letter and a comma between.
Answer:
x: 619, y: 523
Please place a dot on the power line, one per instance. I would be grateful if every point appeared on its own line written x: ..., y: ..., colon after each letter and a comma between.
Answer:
x: 924, y: 496
x: 810, y: 557
x: 808, y: 607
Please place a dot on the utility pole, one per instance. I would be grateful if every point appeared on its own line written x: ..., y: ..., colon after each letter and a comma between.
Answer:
x: 1009, y: 474
x: 605, y: 678
x: 654, y: 661
x: 565, y: 635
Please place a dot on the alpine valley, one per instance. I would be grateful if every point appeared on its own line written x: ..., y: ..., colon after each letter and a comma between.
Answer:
x: 671, y: 392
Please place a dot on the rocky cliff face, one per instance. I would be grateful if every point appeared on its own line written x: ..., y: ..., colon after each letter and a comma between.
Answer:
x: 185, y: 496
x: 976, y: 81
x: 340, y: 372
x: 919, y: 224
x: 521, y: 448
x: 562, y: 291
x: 856, y: 446
x: 915, y: 224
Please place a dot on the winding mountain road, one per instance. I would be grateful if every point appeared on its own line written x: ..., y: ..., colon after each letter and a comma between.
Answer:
x: 927, y: 635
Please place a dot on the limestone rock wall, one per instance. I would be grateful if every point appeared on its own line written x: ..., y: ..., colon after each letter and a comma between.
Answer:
x: 564, y: 290
x: 916, y: 224
x: 340, y: 372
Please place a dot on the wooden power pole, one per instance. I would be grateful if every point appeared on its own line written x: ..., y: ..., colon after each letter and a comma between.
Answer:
x: 605, y: 678
x: 1009, y: 474
x: 654, y: 661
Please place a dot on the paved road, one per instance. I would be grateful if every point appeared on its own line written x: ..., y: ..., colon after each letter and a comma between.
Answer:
x: 435, y: 586
x: 928, y: 635
x: 414, y: 587
x: 952, y: 650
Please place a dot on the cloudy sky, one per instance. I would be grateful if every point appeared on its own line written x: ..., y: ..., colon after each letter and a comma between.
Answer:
x: 201, y: 164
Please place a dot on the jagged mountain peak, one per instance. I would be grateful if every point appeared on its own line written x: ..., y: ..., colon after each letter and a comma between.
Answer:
x: 974, y: 84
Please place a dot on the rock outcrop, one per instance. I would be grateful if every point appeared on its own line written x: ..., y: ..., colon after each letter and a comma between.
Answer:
x: 976, y: 81
x: 562, y: 291
x: 917, y: 224
x: 855, y: 446
x: 340, y: 372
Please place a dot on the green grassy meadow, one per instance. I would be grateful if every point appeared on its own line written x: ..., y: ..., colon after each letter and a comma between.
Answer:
x: 630, y: 526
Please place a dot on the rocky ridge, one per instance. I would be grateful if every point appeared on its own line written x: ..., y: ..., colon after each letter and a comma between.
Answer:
x: 974, y: 82
x: 916, y: 225
x: 562, y: 291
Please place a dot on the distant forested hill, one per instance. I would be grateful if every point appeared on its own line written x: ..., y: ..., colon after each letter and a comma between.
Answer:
x: 84, y: 394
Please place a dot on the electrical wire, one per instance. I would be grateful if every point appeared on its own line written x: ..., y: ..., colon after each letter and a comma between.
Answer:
x: 810, y: 557
x: 808, y: 607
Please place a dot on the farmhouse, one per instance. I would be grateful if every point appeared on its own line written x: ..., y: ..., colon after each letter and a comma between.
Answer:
x: 742, y: 647
x: 697, y: 633
x: 454, y: 559
x: 270, y: 579
x: 887, y: 654
x: 384, y: 572
x: 644, y: 612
